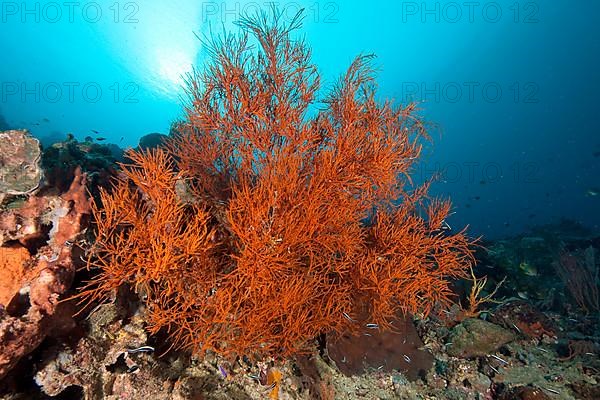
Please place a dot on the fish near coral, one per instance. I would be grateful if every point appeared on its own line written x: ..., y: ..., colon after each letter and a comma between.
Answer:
x: 264, y: 225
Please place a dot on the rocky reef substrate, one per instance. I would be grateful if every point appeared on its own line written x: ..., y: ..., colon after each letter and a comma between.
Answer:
x: 538, y: 339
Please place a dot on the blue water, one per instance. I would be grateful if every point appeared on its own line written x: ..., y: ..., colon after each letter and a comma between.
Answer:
x: 513, y: 86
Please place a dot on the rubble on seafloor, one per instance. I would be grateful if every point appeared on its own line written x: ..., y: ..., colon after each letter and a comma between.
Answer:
x: 116, y: 360
x: 538, y: 342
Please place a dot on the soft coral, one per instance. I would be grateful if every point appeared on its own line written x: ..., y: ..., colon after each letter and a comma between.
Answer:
x: 297, y: 225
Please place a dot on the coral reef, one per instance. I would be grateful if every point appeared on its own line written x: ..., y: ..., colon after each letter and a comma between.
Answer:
x: 528, y: 348
x: 106, y: 364
x: 579, y: 272
x: 266, y: 227
x: 36, y: 241
x: 20, y: 172
x: 268, y: 222
x: 552, y: 266
x: 12, y: 260
x: 61, y: 159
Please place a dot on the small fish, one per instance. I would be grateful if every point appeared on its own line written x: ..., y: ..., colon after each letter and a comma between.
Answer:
x: 499, y: 359
x: 482, y: 182
x: 46, y: 120
x: 528, y: 269
x: 551, y: 390
x: 446, y: 226
x: 94, y: 131
x: 122, y: 137
x: 222, y: 371
x: 100, y: 138
x: 476, y: 197
x: 347, y: 316
x: 132, y: 369
x: 592, y: 192
x: 406, y: 358
x: 51, y: 259
x: 372, y: 326
x: 143, y: 349
x: 596, y: 154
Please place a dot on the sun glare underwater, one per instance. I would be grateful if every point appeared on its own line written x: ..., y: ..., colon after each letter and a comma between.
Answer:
x: 511, y: 87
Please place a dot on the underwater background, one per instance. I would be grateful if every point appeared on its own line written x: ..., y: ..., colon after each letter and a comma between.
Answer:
x: 511, y: 85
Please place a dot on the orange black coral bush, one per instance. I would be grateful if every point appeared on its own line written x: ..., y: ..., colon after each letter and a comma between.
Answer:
x: 267, y: 221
